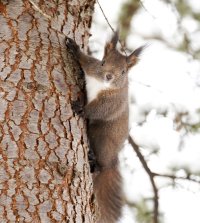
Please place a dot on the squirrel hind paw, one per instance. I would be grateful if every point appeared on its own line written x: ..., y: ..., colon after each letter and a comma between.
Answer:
x: 94, y: 167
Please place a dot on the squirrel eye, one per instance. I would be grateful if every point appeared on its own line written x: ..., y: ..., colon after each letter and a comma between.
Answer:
x: 109, y: 77
x: 123, y: 72
x: 103, y: 62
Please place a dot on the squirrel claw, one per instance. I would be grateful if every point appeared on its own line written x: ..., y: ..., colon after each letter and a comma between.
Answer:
x: 71, y: 45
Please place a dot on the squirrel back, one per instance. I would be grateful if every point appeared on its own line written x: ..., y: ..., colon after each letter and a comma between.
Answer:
x: 107, y: 112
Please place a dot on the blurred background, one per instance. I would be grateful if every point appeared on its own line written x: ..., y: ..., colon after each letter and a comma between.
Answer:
x: 164, y: 106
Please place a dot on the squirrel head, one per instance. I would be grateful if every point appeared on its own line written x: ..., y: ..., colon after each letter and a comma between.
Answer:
x: 115, y: 66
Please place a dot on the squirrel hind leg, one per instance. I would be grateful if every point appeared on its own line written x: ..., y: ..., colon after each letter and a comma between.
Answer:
x: 94, y: 167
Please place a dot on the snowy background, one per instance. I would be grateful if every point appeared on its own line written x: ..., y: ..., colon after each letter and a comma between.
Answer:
x: 164, y: 82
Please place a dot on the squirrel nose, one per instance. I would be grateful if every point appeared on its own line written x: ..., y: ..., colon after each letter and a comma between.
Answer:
x: 109, y: 77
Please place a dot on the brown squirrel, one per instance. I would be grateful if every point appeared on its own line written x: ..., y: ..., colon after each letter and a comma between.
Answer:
x: 107, y: 111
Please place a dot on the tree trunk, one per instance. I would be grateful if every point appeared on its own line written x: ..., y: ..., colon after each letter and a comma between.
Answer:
x: 44, y: 171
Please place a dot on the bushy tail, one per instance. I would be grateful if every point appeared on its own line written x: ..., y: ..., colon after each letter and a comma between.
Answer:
x: 109, y: 195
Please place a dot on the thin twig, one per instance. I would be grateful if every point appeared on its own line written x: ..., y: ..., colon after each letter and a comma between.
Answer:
x: 151, y: 176
x: 148, y: 86
x: 111, y: 27
x: 143, y: 6
x: 105, y: 16
x: 173, y: 177
x: 36, y: 7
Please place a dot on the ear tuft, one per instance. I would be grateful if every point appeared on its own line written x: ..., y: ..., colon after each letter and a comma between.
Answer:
x: 115, y: 38
x: 140, y: 50
x: 133, y: 58
x: 112, y: 44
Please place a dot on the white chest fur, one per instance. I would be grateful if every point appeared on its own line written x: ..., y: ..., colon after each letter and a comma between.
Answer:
x: 94, y: 87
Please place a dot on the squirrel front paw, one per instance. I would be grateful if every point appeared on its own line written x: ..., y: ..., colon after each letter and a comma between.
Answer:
x: 71, y: 45
x: 77, y: 107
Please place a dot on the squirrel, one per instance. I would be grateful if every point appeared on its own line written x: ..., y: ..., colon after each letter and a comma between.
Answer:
x: 108, y: 113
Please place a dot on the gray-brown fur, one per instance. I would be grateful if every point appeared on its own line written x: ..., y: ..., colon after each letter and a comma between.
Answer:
x: 108, y: 123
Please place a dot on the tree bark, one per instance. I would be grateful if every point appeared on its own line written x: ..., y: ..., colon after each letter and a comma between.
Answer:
x: 44, y: 171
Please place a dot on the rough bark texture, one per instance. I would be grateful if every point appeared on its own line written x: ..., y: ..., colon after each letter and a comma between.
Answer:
x: 44, y: 172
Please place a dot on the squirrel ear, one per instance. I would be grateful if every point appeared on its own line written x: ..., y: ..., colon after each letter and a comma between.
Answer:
x: 133, y: 58
x: 112, y: 44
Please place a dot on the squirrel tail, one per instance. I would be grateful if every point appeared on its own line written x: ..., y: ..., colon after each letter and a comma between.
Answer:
x: 109, y: 195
